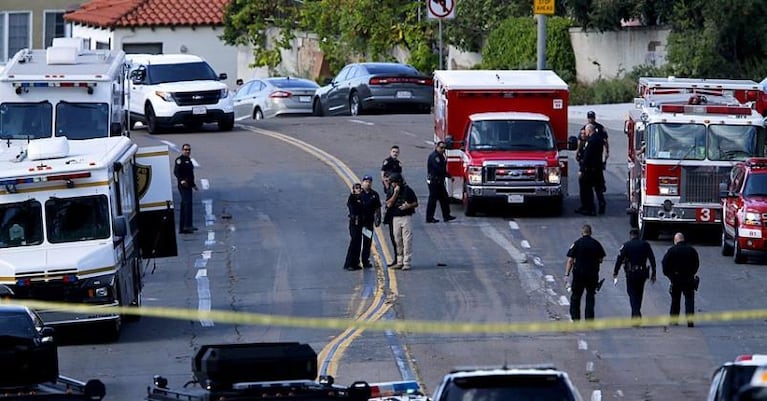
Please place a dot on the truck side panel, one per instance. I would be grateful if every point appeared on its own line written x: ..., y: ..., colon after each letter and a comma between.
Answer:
x: 157, y: 234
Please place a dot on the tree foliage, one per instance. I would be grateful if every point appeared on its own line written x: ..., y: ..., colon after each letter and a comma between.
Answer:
x: 513, y: 46
x: 475, y: 19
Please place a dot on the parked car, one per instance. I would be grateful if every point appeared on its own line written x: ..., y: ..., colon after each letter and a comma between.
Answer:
x: 271, y: 97
x: 731, y: 377
x: 744, y: 210
x: 27, y: 350
x: 365, y: 86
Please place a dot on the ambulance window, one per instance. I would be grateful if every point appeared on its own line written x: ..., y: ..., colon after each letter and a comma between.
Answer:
x: 77, y: 219
x: 82, y: 120
x: 25, y: 120
x: 21, y: 224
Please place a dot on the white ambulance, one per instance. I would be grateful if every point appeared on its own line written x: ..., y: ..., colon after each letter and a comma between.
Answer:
x: 77, y: 217
x: 64, y: 90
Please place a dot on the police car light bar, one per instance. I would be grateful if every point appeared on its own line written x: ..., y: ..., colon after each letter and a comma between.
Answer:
x: 45, y: 84
x: 701, y: 109
x: 393, y: 389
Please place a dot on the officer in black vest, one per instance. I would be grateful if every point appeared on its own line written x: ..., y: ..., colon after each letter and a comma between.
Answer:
x: 583, y: 260
x: 370, y: 218
x: 680, y: 265
x: 183, y: 169
x: 390, y: 166
x: 436, y: 167
x: 633, y: 256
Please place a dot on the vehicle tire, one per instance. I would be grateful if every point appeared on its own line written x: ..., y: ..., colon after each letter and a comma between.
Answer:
x: 647, y: 231
x: 355, y: 107
x: 737, y: 254
x: 152, y: 125
x: 226, y: 123
x: 258, y: 115
x: 555, y: 206
x: 317, y: 108
x: 112, y: 331
x: 135, y: 304
x: 469, y: 205
x: 726, y: 248
x: 193, y: 125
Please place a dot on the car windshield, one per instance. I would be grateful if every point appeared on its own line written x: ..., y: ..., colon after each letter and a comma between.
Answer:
x: 675, y: 141
x: 735, y: 378
x: 162, y: 73
x: 82, y: 120
x: 510, y: 135
x: 756, y: 185
x: 21, y: 224
x: 294, y: 83
x: 17, y: 324
x: 734, y: 142
x: 506, y: 388
x: 25, y: 120
x: 77, y: 219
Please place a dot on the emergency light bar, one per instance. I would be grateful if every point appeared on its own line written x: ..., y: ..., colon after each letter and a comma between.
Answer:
x: 45, y: 84
x: 703, y: 109
x: 757, y: 162
x: 31, y: 180
x: 393, y: 389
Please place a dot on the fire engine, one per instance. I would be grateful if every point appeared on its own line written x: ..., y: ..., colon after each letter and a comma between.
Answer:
x: 744, y: 206
x: 64, y: 90
x: 77, y: 217
x: 504, y: 131
x: 684, y: 136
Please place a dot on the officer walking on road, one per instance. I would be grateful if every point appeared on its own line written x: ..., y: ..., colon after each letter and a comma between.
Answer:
x: 633, y: 256
x: 437, y: 170
x: 680, y: 265
x: 390, y: 165
x: 583, y: 260
x: 183, y: 169
x: 371, y: 217
x: 354, y: 206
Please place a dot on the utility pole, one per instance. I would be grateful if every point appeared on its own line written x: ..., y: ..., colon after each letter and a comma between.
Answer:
x: 541, y: 41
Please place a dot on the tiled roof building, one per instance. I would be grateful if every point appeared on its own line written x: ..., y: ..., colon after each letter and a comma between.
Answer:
x: 148, y: 13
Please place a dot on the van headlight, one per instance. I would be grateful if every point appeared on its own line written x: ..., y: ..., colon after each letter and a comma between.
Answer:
x: 166, y: 96
x: 475, y: 175
x: 553, y: 175
x: 223, y: 94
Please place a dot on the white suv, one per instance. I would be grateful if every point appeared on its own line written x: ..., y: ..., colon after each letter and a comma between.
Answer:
x: 171, y: 89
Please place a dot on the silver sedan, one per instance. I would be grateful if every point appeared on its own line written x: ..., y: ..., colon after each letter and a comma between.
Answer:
x: 271, y: 97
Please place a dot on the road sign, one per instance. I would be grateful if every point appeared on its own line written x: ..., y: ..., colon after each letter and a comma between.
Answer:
x: 441, y: 9
x: 543, y: 7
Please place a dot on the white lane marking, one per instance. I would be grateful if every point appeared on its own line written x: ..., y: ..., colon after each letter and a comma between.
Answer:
x: 361, y: 122
x: 170, y: 144
x: 206, y: 254
x: 409, y: 134
x: 194, y: 163
x: 619, y: 393
x: 551, y: 292
x: 211, y: 238
x: 210, y: 218
x: 525, y: 244
x: 564, y: 301
x: 538, y: 261
x: 549, y: 278
x: 430, y: 143
x: 583, y: 345
x: 200, y: 263
x: 204, y: 183
x: 596, y: 395
x: 530, y: 278
x: 203, y: 295
x: 590, y: 366
x: 513, y: 225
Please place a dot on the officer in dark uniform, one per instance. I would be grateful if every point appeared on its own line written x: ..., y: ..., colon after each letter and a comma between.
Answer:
x: 601, y: 132
x: 354, y: 205
x: 390, y: 165
x: 371, y: 217
x: 591, y: 175
x: 583, y: 260
x: 680, y: 265
x: 633, y: 256
x: 388, y: 218
x: 437, y: 170
x: 183, y: 169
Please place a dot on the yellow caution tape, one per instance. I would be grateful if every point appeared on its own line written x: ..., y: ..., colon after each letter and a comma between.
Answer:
x: 412, y: 326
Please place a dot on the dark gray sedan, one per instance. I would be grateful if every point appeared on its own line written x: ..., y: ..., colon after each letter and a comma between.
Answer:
x: 270, y: 97
x: 366, y: 86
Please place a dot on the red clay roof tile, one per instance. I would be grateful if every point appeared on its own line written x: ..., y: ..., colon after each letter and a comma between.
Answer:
x: 137, y: 13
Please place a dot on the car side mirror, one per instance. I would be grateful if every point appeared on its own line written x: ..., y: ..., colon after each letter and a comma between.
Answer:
x: 120, y: 227
x: 47, y: 333
x: 222, y: 76
x: 572, y: 143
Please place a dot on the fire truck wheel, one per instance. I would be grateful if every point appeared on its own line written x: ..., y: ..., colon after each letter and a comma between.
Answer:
x: 469, y: 205
x: 726, y: 248
x: 648, y: 232
x: 737, y: 254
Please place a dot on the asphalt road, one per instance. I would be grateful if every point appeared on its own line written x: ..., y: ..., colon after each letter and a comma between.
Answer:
x: 281, y: 252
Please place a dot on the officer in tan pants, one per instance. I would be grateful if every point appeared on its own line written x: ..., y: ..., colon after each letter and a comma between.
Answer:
x: 402, y: 204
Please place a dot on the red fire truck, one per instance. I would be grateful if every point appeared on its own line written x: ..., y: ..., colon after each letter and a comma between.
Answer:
x: 746, y: 91
x: 684, y: 136
x: 504, y: 131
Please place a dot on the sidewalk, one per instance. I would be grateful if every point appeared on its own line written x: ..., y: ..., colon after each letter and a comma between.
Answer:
x: 611, y: 115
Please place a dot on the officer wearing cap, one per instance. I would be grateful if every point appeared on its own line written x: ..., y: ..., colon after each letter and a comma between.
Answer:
x: 183, y: 169
x: 633, y: 256
x: 371, y: 216
x: 390, y: 165
x: 437, y: 169
x: 583, y: 260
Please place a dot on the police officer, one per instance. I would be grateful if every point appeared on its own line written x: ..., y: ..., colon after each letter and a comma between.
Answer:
x: 354, y: 205
x: 591, y: 175
x: 390, y: 165
x: 680, y: 265
x: 437, y: 170
x: 403, y: 203
x: 633, y: 256
x: 388, y: 218
x: 370, y: 217
x: 583, y: 260
x: 183, y: 169
x: 601, y: 132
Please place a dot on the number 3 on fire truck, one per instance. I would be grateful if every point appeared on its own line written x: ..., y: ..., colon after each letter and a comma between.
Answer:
x: 703, y: 214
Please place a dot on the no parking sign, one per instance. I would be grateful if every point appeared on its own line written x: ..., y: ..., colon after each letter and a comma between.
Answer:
x: 441, y: 9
